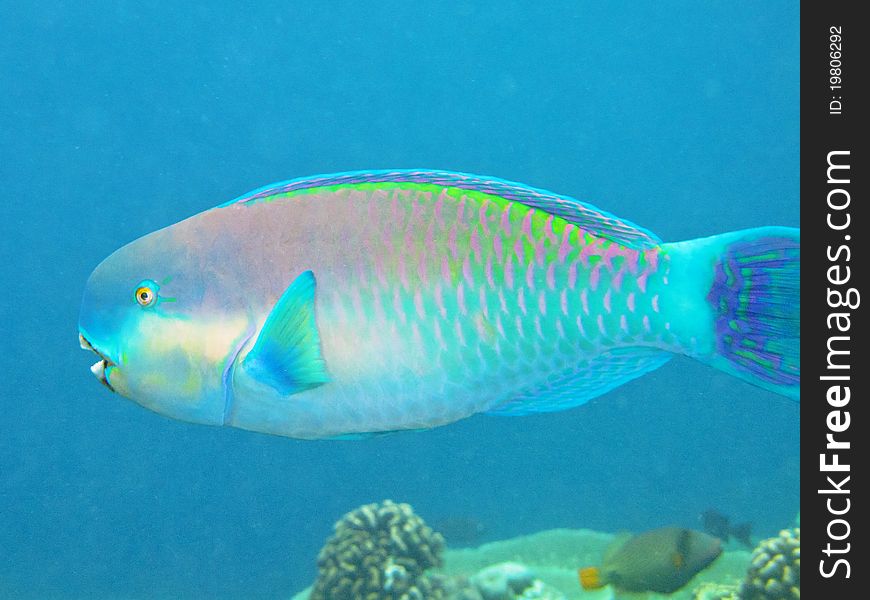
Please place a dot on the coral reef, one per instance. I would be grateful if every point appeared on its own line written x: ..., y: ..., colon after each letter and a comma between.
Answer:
x: 553, y: 556
x: 775, y: 569
x: 380, y: 552
x: 716, y: 591
x: 541, y: 591
x: 504, y: 581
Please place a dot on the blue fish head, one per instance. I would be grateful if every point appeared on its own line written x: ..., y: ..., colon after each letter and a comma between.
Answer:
x: 144, y: 314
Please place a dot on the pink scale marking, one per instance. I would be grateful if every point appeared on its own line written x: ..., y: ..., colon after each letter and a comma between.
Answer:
x: 527, y: 226
x: 475, y: 244
x: 418, y: 303
x: 509, y: 272
x: 394, y: 209
x: 594, y: 276
x: 630, y: 301
x: 584, y: 301
x: 482, y: 301
x: 563, y: 302
x: 439, y: 337
x: 539, y: 252
x: 542, y: 302
x: 579, y: 322
x: 646, y: 326
x: 403, y: 272
x: 429, y: 241
x: 519, y: 250
x: 506, y: 220
x: 459, y: 334
x: 416, y: 212
x: 538, y: 328
x: 460, y: 298
x: 616, y: 282
x: 466, y: 271
x: 600, y: 321
x: 641, y: 281
x: 521, y: 299
x: 439, y: 300
x: 607, y: 255
x: 380, y: 271
x: 496, y: 246
x: 488, y: 271
x: 565, y: 246
x: 445, y: 269
x: 530, y: 276
x: 439, y: 206
x: 607, y: 301
x: 623, y: 323
x: 583, y: 256
x: 451, y: 241
x: 397, y: 305
x: 631, y: 261
x: 551, y: 276
x: 655, y: 303
x: 548, y: 230
x: 422, y: 270
x: 572, y: 275
x: 483, y: 217
x: 652, y: 258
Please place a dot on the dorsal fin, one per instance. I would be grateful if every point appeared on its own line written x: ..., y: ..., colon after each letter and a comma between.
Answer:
x: 586, y: 216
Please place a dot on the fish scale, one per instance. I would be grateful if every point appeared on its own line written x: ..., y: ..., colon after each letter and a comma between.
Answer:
x: 373, y: 301
x: 495, y: 291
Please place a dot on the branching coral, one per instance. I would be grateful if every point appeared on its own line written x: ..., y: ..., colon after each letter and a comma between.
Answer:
x: 775, y: 570
x: 379, y: 552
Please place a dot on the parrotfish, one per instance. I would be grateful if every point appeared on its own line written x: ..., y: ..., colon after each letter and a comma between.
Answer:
x: 661, y: 560
x: 345, y: 305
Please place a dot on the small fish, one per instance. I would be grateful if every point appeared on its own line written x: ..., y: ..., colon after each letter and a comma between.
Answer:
x: 460, y: 530
x: 346, y: 305
x: 661, y: 560
x: 717, y: 524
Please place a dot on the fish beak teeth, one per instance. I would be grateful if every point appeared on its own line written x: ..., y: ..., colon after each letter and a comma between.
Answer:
x: 85, y: 344
x: 99, y: 370
x: 99, y: 367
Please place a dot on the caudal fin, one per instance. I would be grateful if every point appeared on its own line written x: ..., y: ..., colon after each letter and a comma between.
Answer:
x: 590, y: 578
x: 755, y: 299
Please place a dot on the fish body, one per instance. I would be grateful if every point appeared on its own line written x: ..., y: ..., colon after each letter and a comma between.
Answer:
x: 720, y: 526
x: 660, y: 560
x: 369, y: 302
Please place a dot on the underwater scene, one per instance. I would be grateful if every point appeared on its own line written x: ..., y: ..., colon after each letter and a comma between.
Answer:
x: 433, y: 300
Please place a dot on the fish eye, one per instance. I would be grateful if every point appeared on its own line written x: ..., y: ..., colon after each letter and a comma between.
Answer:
x: 146, y: 293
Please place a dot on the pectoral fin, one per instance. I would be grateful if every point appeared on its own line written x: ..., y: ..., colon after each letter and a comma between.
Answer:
x: 286, y: 355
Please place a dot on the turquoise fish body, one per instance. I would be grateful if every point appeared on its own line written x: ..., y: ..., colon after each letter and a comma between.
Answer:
x: 378, y: 301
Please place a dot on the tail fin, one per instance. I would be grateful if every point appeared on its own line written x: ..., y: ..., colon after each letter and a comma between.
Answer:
x: 590, y: 578
x: 755, y: 303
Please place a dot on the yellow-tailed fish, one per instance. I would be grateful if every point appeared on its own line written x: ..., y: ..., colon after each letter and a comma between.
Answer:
x: 661, y: 560
x: 366, y: 302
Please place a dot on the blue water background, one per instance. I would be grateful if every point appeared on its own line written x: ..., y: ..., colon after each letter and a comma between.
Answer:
x: 117, y: 118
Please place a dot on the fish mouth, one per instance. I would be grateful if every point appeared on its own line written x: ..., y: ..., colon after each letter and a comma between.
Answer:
x: 99, y: 367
